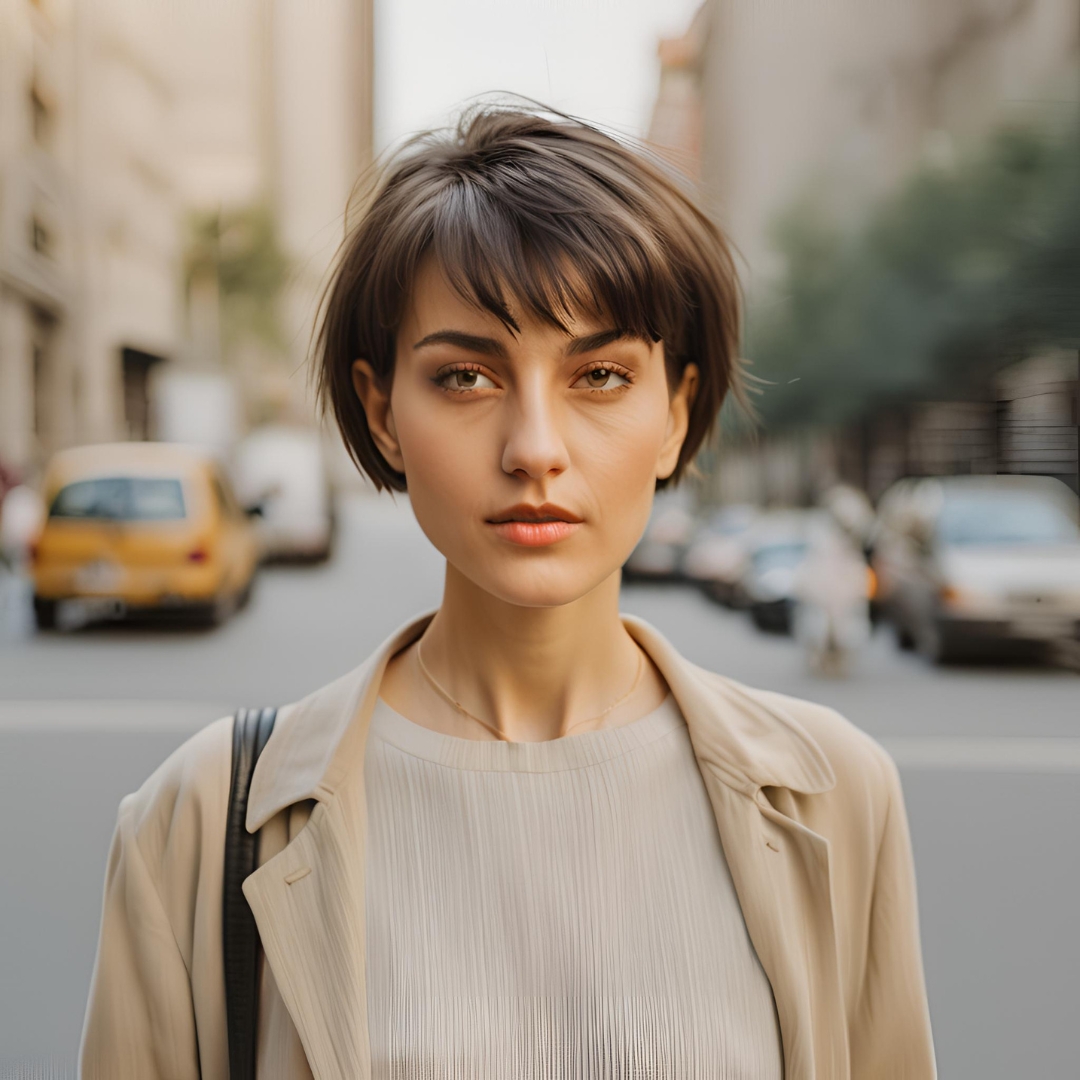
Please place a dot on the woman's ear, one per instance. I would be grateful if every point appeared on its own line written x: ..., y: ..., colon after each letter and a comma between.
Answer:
x: 678, y: 422
x: 375, y: 398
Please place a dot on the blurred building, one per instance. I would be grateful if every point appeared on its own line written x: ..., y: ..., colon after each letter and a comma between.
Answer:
x: 678, y: 116
x: 119, y: 119
x: 89, y: 222
x: 838, y: 102
x: 275, y: 111
x: 35, y: 220
x: 1037, y: 416
x: 845, y: 98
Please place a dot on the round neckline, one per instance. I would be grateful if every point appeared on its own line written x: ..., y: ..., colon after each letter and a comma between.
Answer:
x: 550, y: 755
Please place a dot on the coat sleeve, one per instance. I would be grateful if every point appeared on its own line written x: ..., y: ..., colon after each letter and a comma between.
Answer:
x: 140, y: 1019
x: 891, y: 1038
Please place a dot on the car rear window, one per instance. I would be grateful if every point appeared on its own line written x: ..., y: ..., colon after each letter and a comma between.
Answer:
x: 121, y: 498
x: 1005, y: 518
x: 774, y: 555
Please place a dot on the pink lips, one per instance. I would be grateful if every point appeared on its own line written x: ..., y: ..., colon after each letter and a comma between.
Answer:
x: 535, y: 533
x: 535, y: 526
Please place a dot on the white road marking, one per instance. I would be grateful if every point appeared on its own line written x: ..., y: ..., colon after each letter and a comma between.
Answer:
x: 964, y: 753
x: 132, y: 717
x: 986, y: 754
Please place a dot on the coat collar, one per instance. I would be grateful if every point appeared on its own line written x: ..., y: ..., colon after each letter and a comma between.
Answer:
x: 313, y: 930
x: 746, y: 735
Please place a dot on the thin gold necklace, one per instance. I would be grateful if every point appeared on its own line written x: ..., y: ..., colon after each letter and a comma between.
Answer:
x: 438, y: 688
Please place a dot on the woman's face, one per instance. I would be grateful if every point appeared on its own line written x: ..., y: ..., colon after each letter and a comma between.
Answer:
x: 531, y: 459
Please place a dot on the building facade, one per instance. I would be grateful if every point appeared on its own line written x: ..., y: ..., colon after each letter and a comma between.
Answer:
x: 842, y: 99
x: 837, y: 102
x: 275, y: 110
x: 119, y: 119
x: 89, y: 223
x: 37, y: 369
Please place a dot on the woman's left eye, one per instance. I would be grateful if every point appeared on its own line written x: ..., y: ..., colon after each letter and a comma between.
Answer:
x: 601, y: 378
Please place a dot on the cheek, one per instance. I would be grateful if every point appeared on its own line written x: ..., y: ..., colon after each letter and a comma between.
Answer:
x: 447, y: 465
x: 618, y: 453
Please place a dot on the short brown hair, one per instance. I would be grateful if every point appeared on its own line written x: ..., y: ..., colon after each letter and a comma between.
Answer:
x: 509, y: 200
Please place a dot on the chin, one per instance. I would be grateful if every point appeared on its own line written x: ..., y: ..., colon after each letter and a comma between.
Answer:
x: 539, y: 587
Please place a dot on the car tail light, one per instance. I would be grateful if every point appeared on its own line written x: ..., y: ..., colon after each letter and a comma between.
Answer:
x: 198, y: 555
x: 948, y: 594
x: 33, y: 551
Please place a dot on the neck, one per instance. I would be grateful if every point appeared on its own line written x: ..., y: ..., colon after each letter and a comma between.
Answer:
x: 531, y: 673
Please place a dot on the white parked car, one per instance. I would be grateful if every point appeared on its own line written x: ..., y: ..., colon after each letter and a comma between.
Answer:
x: 283, y: 471
x: 716, y: 556
x: 659, y: 552
x: 978, y: 565
x: 776, y: 545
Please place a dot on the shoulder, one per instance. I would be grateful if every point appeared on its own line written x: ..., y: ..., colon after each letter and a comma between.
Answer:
x: 182, y: 804
x: 166, y: 862
x: 849, y: 749
x: 760, y: 739
x: 849, y: 775
x: 856, y: 811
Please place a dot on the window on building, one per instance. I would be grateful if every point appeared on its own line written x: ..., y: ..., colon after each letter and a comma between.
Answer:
x: 136, y: 366
x: 40, y: 114
x: 42, y: 343
x: 40, y: 237
x: 40, y: 391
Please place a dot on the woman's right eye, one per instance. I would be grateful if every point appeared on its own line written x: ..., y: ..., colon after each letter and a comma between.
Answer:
x: 466, y: 379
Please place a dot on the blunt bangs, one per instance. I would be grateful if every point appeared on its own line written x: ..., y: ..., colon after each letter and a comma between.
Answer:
x: 540, y: 213
x: 499, y: 252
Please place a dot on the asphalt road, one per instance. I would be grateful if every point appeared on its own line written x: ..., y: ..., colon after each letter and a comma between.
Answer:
x: 990, y: 759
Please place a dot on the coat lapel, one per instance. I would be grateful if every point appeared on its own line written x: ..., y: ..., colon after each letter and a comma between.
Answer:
x: 308, y: 900
x: 308, y: 904
x: 779, y: 867
x: 781, y: 875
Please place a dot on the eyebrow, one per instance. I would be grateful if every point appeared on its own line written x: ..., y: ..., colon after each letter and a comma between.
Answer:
x: 491, y: 347
x: 597, y: 341
x: 473, y: 342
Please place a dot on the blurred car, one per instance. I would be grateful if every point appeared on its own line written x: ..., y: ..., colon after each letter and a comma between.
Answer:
x: 140, y: 527
x: 776, y: 546
x: 283, y: 470
x: 971, y: 566
x: 659, y: 552
x: 716, y: 555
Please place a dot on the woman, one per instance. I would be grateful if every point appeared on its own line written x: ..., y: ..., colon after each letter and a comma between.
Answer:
x: 526, y: 838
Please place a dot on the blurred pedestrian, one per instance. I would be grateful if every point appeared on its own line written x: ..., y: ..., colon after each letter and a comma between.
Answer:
x: 8, y: 480
x: 832, y: 600
x: 21, y: 516
x: 526, y: 837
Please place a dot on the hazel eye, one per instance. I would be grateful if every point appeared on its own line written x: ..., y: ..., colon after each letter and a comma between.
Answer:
x: 601, y: 378
x: 466, y: 379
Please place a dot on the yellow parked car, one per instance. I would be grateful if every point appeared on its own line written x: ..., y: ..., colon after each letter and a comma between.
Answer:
x: 141, y: 527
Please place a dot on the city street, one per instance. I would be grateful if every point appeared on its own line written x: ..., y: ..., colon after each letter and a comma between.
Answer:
x: 990, y: 758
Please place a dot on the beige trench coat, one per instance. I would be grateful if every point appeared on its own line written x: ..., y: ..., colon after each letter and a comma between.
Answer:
x: 809, y: 810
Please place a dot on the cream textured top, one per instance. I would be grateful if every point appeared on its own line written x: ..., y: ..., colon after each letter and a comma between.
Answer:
x: 555, y: 910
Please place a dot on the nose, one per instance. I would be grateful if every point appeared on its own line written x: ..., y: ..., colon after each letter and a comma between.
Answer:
x: 534, y: 446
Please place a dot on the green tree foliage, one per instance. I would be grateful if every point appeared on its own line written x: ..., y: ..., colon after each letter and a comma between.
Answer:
x: 962, y: 271
x: 238, y: 252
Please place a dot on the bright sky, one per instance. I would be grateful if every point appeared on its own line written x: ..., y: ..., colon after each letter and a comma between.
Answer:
x: 593, y: 58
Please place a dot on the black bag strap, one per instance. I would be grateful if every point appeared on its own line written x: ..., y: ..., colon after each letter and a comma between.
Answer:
x: 240, y: 935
